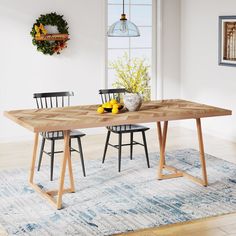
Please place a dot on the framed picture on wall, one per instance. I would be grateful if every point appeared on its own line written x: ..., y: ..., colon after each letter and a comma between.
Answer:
x: 227, y: 40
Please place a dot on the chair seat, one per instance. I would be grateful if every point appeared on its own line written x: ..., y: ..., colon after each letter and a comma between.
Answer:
x: 127, y: 128
x: 59, y: 134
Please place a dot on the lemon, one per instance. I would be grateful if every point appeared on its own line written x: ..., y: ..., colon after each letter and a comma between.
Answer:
x: 104, y: 105
x: 113, y: 101
x: 115, y: 111
x: 108, y: 105
x: 100, y: 110
x: 115, y: 106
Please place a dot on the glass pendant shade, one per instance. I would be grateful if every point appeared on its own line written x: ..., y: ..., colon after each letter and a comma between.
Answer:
x: 123, y: 28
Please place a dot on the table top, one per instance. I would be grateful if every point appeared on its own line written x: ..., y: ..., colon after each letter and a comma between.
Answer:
x: 77, y: 117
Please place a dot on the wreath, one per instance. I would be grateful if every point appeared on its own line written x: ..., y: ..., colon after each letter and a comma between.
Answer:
x: 50, y: 43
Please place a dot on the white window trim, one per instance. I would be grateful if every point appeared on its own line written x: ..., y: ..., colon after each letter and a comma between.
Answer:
x: 157, y: 83
x: 105, y: 77
x: 159, y: 53
x: 154, y: 51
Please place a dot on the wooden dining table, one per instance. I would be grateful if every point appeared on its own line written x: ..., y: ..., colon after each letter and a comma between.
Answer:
x: 78, y: 117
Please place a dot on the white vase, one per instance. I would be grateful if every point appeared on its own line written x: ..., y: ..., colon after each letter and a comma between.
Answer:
x: 132, y: 101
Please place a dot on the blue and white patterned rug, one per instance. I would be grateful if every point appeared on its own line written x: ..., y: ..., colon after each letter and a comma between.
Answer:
x: 107, y: 202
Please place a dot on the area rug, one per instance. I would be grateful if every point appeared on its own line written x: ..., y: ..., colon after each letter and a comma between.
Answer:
x: 107, y: 202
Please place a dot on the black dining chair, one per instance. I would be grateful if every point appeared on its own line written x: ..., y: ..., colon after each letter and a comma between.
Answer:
x: 106, y: 96
x: 52, y: 100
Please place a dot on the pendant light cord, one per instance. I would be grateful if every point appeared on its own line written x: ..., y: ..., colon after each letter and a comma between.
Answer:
x: 123, y: 6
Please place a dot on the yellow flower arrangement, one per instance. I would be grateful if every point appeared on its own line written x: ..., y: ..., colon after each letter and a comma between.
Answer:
x: 132, y: 74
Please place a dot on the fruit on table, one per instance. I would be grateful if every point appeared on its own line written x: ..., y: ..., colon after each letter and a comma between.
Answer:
x: 113, y: 102
x: 104, y: 105
x: 100, y: 110
x: 115, y: 110
x: 115, y: 106
x: 108, y: 105
x: 112, y: 106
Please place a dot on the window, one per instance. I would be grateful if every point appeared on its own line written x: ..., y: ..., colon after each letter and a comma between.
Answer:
x: 139, y: 12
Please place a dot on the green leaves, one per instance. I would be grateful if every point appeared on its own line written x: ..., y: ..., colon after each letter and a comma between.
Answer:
x: 133, y: 75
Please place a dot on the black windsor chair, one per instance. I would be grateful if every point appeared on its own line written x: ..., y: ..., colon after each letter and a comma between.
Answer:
x: 106, y: 96
x: 51, y: 100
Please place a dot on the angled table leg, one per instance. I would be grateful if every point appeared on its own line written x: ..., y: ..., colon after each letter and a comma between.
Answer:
x: 176, y: 172
x: 49, y: 195
x: 36, y: 140
x: 202, y: 153
x: 63, y: 169
x: 159, y: 133
x: 71, y: 173
x: 162, y: 143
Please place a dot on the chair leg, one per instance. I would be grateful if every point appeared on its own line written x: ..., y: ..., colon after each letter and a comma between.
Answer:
x: 106, y: 145
x: 145, y: 148
x: 119, y: 151
x: 131, y: 145
x: 81, y: 155
x: 52, y: 159
x: 41, y: 153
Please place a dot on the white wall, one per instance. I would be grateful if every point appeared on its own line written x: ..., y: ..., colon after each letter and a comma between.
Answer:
x: 171, y: 49
x: 23, y: 70
x: 202, y: 80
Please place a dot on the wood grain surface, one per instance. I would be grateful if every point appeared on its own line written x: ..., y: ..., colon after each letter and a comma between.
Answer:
x: 76, y: 117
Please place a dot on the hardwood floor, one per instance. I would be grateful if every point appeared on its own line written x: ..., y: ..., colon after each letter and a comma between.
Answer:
x: 15, y: 155
x: 214, y: 226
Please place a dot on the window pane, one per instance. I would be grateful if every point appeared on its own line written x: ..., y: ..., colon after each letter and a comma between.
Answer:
x: 114, y: 13
x: 113, y: 54
x: 111, y: 77
x: 118, y: 42
x: 149, y: 2
x: 145, y: 39
x: 141, y: 15
x: 118, y: 2
x: 141, y: 2
x: 142, y: 53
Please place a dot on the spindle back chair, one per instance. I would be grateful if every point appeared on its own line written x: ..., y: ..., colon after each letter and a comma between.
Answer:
x: 118, y: 94
x: 54, y: 100
x: 108, y: 94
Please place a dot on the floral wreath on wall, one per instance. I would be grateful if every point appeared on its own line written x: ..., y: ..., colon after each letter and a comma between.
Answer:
x: 50, y: 43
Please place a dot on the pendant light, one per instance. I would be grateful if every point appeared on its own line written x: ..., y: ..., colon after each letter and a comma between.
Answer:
x: 123, y: 27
